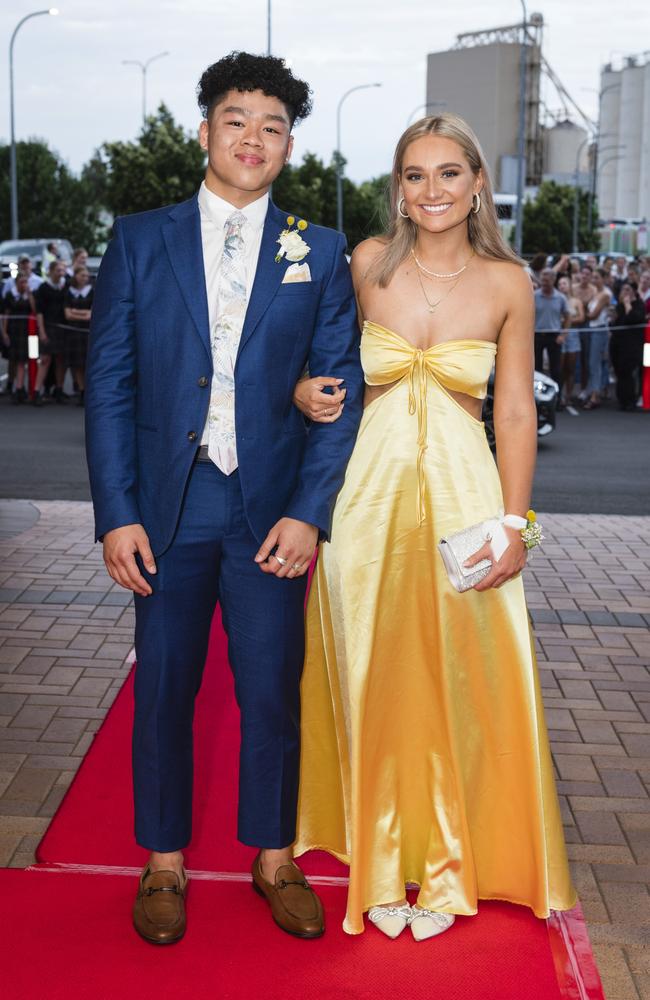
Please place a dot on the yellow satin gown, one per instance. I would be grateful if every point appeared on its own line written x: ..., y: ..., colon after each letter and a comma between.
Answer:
x: 425, y: 756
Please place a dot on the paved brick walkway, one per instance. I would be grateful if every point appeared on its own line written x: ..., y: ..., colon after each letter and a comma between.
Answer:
x: 66, y: 633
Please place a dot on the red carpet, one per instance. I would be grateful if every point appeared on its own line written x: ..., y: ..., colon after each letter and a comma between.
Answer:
x: 76, y: 931
x: 72, y: 929
x: 100, y: 798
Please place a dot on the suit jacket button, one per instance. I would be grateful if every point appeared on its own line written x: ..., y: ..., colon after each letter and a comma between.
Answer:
x: 203, y: 381
x: 191, y: 436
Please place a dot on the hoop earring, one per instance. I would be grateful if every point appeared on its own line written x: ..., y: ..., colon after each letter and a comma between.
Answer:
x: 476, y: 210
x: 404, y: 215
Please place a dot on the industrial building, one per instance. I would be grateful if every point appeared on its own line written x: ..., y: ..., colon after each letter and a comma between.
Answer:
x: 479, y: 79
x: 623, y: 168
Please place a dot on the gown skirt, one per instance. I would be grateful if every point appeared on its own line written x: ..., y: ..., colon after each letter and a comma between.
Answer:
x: 425, y: 755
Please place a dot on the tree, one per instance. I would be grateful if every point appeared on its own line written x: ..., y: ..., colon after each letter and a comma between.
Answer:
x: 51, y: 200
x: 548, y: 220
x: 309, y: 190
x: 163, y: 166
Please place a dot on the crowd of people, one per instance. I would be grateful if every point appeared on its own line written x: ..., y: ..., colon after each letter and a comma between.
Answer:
x: 590, y: 322
x: 57, y: 309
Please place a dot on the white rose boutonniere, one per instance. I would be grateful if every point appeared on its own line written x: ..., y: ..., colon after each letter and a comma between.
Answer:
x: 292, y: 245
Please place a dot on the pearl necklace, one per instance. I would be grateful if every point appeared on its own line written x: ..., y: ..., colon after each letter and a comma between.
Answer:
x: 434, y: 274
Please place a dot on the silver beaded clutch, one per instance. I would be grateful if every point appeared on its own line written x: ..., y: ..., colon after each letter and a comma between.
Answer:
x: 456, y: 548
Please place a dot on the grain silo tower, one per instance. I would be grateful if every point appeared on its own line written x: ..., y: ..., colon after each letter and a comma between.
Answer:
x: 565, y: 146
x: 479, y: 80
x: 629, y: 135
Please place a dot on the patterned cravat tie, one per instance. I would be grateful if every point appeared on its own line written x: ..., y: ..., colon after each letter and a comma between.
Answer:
x: 224, y: 338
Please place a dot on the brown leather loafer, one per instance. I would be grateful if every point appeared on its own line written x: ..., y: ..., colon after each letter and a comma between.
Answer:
x: 294, y: 905
x: 159, y: 908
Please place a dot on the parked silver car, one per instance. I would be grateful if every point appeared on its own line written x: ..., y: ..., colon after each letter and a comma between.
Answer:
x: 11, y: 250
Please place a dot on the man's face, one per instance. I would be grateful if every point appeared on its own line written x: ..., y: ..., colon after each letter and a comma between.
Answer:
x: 57, y: 272
x: 22, y: 284
x: 248, y: 141
x: 547, y: 279
x: 585, y: 276
x: 25, y: 267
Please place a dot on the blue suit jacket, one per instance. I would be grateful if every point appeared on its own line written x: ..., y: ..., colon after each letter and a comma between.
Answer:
x: 149, y: 373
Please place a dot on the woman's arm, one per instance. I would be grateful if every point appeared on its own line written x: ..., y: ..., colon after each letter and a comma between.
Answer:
x: 515, y: 422
x: 308, y: 395
x: 515, y: 415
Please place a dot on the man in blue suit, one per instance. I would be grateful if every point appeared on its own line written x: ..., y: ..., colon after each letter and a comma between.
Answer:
x: 206, y: 483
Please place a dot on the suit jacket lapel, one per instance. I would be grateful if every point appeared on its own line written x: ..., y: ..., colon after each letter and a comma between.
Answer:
x: 182, y: 235
x: 268, y: 276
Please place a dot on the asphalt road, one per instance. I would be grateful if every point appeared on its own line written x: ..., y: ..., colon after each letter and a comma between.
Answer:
x: 596, y: 463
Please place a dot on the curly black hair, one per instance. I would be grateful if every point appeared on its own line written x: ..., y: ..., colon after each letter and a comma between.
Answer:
x: 245, y: 72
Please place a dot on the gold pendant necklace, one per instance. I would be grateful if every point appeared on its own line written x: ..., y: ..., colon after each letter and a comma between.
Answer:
x: 432, y: 306
x: 434, y: 274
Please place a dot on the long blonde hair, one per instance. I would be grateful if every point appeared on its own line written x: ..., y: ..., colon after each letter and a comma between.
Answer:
x: 483, y: 228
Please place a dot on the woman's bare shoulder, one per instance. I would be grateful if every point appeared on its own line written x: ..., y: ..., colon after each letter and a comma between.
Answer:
x: 509, y: 277
x: 365, y: 253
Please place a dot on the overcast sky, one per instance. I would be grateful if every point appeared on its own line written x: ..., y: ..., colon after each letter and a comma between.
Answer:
x: 72, y: 90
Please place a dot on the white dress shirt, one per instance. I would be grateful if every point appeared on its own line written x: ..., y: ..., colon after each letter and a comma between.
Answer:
x: 215, y: 212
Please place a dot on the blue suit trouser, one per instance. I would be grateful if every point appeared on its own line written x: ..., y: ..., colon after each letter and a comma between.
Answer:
x: 210, y: 560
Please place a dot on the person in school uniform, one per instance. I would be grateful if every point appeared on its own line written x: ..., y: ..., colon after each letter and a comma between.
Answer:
x: 78, y: 305
x: 18, y: 305
x: 50, y: 304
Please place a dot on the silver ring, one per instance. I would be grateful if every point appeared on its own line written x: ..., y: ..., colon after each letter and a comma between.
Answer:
x: 283, y: 562
x: 296, y: 566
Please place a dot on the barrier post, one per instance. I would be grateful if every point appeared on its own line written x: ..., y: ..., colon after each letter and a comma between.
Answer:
x: 33, y: 353
x: 645, y: 378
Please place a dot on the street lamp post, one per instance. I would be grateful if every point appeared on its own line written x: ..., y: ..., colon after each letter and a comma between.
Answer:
x: 610, y: 159
x: 576, y: 193
x: 144, y: 66
x: 521, y: 142
x: 576, y: 189
x: 425, y: 107
x: 339, y: 165
x: 13, y: 168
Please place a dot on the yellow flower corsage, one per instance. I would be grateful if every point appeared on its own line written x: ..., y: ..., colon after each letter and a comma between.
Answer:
x: 532, y: 533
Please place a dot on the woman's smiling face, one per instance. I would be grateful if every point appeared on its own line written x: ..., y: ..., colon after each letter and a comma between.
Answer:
x: 438, y: 183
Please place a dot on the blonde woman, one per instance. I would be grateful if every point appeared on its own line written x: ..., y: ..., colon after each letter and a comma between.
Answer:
x: 425, y: 756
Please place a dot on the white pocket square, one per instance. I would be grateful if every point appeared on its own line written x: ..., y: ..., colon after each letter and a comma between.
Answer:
x: 296, y: 272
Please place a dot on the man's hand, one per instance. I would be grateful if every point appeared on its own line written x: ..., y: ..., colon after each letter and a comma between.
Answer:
x: 120, y: 547
x: 294, y: 542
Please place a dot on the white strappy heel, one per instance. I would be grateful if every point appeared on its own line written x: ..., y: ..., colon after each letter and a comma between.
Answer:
x: 391, y: 920
x: 427, y: 923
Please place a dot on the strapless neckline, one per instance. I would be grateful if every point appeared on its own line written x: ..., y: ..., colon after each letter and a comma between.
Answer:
x: 426, y: 350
